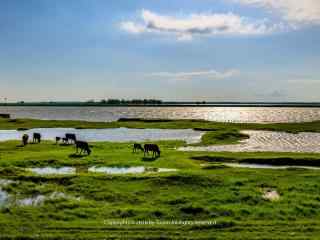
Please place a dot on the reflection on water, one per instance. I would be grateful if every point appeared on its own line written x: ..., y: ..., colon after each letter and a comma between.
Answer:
x: 110, y: 134
x: 267, y: 166
x: 40, y: 199
x: 221, y: 114
x: 117, y: 170
x: 128, y: 170
x: 52, y: 170
x: 107, y: 170
x: 4, y: 196
x: 267, y: 141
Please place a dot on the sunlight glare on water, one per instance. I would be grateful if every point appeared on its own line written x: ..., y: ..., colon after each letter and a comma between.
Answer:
x: 219, y: 114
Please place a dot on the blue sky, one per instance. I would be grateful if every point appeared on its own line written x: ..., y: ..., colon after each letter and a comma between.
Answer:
x: 232, y: 50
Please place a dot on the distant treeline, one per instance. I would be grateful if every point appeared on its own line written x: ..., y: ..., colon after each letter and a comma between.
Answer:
x: 155, y: 102
x: 103, y: 102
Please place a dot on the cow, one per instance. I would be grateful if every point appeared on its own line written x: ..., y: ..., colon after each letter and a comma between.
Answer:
x: 58, y: 139
x: 83, y: 146
x: 25, y: 139
x: 137, y: 147
x: 72, y: 137
x: 154, y: 148
x: 37, y: 137
x: 65, y: 140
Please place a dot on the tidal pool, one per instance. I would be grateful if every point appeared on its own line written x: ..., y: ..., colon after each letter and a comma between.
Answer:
x: 109, y: 134
x: 267, y: 166
x: 52, y: 170
x: 128, y: 170
x: 40, y: 199
x: 268, y: 141
x: 4, y: 196
x: 107, y: 170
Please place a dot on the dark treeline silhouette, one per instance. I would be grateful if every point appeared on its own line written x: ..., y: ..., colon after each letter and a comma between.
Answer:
x: 103, y: 102
x: 130, y: 102
x: 155, y: 102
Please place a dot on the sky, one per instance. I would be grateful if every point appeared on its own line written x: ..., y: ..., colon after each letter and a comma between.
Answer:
x: 202, y: 50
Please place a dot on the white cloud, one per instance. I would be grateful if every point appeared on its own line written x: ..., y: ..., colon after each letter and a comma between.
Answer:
x: 293, y: 11
x: 185, y: 27
x: 132, y: 27
x: 207, y: 74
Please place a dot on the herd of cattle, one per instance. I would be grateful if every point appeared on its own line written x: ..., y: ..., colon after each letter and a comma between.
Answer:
x: 84, y: 146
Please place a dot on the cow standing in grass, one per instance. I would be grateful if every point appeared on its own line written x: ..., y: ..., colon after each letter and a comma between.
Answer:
x: 137, y: 147
x: 58, y: 139
x: 154, y: 148
x: 83, y: 146
x: 37, y: 137
x: 72, y: 137
x: 25, y: 139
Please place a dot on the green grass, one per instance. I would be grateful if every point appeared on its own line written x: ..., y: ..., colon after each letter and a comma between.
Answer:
x: 232, y: 197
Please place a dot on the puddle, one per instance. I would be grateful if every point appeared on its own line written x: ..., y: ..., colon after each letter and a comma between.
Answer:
x: 109, y: 134
x: 128, y: 170
x: 267, y: 166
x: 52, y: 170
x: 268, y: 141
x: 271, y: 195
x: 32, y: 201
x: 107, y: 170
x: 40, y: 199
x: 4, y: 196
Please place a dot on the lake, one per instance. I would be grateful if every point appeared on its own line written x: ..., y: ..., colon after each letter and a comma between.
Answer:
x: 220, y: 114
x: 108, y: 134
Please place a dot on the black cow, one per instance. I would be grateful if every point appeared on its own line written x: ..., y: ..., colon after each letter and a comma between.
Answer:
x: 58, y: 139
x: 137, y: 147
x: 37, y: 137
x: 71, y: 136
x: 25, y: 139
x: 83, y: 146
x: 154, y: 148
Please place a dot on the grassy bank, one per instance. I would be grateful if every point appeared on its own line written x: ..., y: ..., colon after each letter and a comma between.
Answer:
x: 216, y: 132
x: 231, y: 197
x: 160, y: 123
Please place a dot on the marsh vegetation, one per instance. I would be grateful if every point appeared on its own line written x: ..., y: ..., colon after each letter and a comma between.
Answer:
x: 245, y: 203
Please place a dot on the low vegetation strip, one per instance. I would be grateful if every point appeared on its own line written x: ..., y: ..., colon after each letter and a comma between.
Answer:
x: 262, y: 158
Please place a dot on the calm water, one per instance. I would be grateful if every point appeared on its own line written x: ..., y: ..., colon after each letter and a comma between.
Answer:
x: 267, y: 141
x: 267, y: 166
x: 221, y: 114
x: 108, y: 134
x: 106, y: 170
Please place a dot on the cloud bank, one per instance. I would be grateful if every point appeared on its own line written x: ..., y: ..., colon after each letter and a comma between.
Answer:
x: 296, y: 12
x: 207, y: 74
x: 188, y: 26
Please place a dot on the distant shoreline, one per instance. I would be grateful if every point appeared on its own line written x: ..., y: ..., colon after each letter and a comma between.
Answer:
x: 166, y: 104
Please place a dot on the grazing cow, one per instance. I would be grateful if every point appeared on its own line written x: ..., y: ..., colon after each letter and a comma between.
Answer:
x: 154, y: 148
x: 25, y: 139
x: 58, y: 139
x: 37, y: 137
x: 72, y: 137
x: 83, y: 146
x: 137, y: 147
